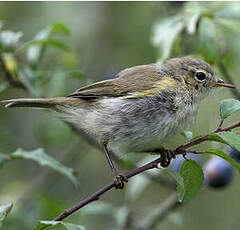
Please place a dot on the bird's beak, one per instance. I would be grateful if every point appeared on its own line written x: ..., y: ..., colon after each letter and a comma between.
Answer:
x: 221, y: 83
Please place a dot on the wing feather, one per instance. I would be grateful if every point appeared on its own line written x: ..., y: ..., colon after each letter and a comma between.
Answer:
x: 129, y: 81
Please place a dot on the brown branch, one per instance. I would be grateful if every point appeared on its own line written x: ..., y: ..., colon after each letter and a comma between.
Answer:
x: 9, y: 77
x: 183, y: 149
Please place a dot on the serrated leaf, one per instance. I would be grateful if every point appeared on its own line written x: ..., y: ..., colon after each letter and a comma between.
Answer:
x: 224, y: 156
x: 187, y: 134
x: 192, y: 175
x: 44, y: 225
x: 4, y: 211
x: 42, y: 158
x: 228, y: 106
x: 165, y: 33
x: 231, y: 138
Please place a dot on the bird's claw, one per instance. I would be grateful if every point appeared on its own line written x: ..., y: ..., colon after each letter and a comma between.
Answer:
x: 119, y: 181
x: 166, y: 158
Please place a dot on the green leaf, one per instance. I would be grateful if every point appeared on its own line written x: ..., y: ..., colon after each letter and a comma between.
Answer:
x: 216, y: 137
x: 231, y: 138
x: 180, y: 182
x: 42, y: 158
x: 228, y: 106
x: 224, y: 156
x: 59, y: 28
x: 196, y: 137
x: 9, y: 39
x: 49, y: 42
x: 165, y: 33
x: 4, y: 211
x: 192, y: 175
x: 187, y: 134
x: 37, y: 46
x: 44, y: 225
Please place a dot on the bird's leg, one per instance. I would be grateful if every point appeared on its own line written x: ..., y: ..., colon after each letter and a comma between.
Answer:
x: 119, y: 179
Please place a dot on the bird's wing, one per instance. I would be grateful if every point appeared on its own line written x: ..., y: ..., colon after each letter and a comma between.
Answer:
x: 131, y: 82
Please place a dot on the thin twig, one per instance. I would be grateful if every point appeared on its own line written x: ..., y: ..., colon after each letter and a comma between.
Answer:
x: 179, y: 150
x: 9, y: 77
x: 220, y: 126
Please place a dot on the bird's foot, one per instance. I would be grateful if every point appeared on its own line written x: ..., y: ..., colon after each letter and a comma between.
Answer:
x: 119, y: 181
x: 166, y: 158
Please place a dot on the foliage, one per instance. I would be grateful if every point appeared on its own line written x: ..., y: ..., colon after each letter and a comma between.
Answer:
x: 42, y: 158
x: 208, y: 30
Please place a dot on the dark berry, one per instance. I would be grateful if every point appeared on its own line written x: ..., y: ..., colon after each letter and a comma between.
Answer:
x: 218, y: 172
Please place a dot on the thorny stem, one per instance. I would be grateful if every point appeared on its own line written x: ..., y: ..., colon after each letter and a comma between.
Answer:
x: 182, y: 149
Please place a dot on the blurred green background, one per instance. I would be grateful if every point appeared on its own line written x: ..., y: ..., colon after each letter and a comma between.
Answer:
x: 104, y: 38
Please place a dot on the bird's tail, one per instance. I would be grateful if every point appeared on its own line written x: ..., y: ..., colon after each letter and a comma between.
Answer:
x: 39, y: 102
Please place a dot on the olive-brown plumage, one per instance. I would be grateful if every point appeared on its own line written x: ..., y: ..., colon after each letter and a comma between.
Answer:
x: 140, y: 108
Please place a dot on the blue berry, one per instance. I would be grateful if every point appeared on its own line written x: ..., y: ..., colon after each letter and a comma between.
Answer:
x: 218, y: 172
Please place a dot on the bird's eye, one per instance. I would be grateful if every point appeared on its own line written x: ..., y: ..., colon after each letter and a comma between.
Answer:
x: 200, y: 76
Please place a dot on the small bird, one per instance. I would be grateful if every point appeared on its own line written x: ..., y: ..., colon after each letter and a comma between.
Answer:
x: 139, y: 109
